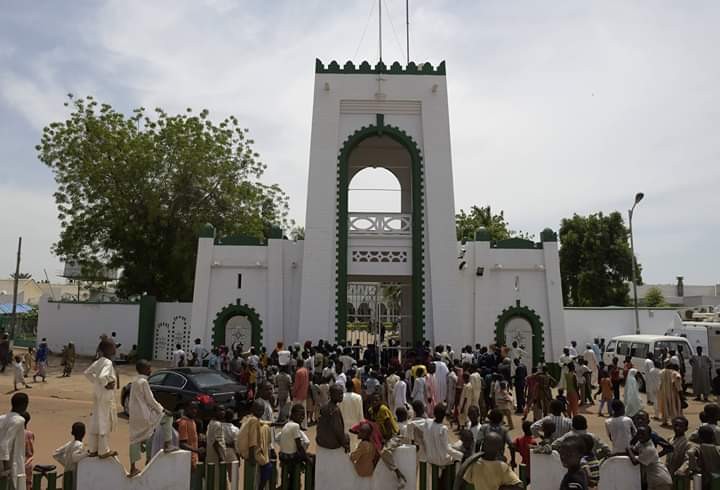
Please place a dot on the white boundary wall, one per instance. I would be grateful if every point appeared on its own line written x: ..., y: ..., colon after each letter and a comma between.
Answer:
x: 83, y: 323
x: 586, y: 324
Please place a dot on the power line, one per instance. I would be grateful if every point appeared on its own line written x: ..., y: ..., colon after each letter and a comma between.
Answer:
x: 367, y: 23
x: 397, y: 39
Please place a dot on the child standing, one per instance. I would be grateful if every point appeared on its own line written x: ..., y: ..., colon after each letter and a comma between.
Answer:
x: 19, y: 372
x: 28, y: 360
x: 522, y: 445
x: 494, y: 425
x: 677, y: 457
x: 571, y: 452
x: 69, y: 454
x: 145, y: 416
x: 606, y: 392
x: 505, y: 403
x: 562, y: 399
x: 590, y: 462
x: 490, y: 471
x: 215, y: 442
x: 620, y: 429
x: 654, y: 474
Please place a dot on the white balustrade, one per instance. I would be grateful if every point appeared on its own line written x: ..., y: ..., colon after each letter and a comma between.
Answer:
x: 380, y: 224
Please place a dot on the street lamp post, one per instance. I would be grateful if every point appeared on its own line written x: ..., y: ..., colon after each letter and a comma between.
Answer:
x: 638, y: 197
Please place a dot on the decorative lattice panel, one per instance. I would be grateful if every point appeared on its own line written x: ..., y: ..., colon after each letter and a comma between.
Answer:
x: 168, y: 334
x: 381, y: 256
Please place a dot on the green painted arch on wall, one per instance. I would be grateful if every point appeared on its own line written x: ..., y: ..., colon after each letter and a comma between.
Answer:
x: 536, y: 325
x: 418, y: 224
x: 233, y: 310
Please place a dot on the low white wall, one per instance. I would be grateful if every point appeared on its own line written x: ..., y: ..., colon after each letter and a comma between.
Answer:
x: 83, y: 323
x: 334, y: 470
x: 166, y: 471
x: 586, y: 324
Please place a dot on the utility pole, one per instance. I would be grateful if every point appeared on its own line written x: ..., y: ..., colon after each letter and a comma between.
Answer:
x: 638, y: 197
x: 15, y: 291
x: 380, y: 26
x: 407, y: 29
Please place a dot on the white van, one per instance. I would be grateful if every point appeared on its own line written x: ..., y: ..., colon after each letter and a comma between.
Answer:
x: 703, y: 334
x: 638, y: 346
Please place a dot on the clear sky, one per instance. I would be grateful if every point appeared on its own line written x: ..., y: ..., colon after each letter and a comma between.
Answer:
x: 556, y: 107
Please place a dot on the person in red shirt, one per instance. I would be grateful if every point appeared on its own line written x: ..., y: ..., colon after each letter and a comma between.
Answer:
x: 187, y: 432
x: 300, y: 390
x: 522, y: 446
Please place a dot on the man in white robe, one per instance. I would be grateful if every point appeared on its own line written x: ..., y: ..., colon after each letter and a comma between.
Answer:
x: 592, y: 363
x: 399, y: 394
x: 441, y: 374
x: 12, y: 442
x: 146, y: 413
x: 103, y: 420
x: 564, y: 360
x: 351, y: 408
x: 390, y: 384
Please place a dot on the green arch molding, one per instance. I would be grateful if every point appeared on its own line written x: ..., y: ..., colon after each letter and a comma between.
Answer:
x: 536, y: 324
x: 418, y: 225
x: 230, y: 311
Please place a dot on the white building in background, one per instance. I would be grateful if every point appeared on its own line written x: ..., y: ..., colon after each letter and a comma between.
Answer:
x: 394, y: 117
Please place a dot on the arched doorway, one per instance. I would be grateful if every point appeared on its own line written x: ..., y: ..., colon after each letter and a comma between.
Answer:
x: 237, y: 323
x: 521, y: 323
x: 391, y: 149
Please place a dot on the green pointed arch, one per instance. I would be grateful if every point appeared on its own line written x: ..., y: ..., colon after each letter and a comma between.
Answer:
x: 418, y: 224
x: 536, y: 325
x: 233, y: 310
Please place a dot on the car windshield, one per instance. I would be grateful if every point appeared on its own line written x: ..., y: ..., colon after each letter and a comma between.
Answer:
x: 209, y: 379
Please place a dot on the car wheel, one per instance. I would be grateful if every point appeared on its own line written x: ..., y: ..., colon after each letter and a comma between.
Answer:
x: 126, y: 405
x: 641, y: 384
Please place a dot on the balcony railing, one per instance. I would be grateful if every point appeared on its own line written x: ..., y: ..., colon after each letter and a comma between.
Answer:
x: 379, y: 224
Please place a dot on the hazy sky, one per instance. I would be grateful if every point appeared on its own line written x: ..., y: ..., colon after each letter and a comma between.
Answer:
x: 556, y: 107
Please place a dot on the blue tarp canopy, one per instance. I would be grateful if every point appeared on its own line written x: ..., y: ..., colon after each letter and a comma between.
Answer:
x: 6, y: 308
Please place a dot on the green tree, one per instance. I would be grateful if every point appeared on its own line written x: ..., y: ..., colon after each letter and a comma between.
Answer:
x: 297, y: 233
x: 595, y: 260
x: 466, y: 224
x: 654, y: 298
x: 134, y: 191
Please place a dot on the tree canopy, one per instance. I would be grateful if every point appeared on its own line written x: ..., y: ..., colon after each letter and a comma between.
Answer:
x: 467, y: 223
x: 134, y: 191
x: 595, y: 260
x: 654, y: 298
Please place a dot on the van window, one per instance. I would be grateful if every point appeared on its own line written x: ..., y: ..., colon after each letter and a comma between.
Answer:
x: 639, y: 350
x: 623, y: 349
x: 611, y: 346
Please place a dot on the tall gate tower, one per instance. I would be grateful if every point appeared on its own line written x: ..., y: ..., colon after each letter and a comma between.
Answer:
x: 394, y: 117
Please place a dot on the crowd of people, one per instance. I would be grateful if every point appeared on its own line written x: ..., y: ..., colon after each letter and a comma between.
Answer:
x: 369, y: 402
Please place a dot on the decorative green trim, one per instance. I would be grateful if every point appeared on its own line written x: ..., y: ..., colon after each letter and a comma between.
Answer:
x: 207, y: 231
x: 613, y: 308
x: 418, y: 225
x: 73, y: 302
x: 242, y: 240
x: 516, y: 243
x: 547, y: 235
x: 483, y: 235
x: 536, y: 325
x: 396, y: 68
x: 231, y: 310
x: 146, y: 327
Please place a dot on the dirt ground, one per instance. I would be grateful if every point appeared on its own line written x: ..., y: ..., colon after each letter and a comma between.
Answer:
x: 57, y: 404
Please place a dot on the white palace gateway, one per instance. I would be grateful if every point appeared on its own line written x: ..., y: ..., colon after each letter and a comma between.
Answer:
x: 381, y: 275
